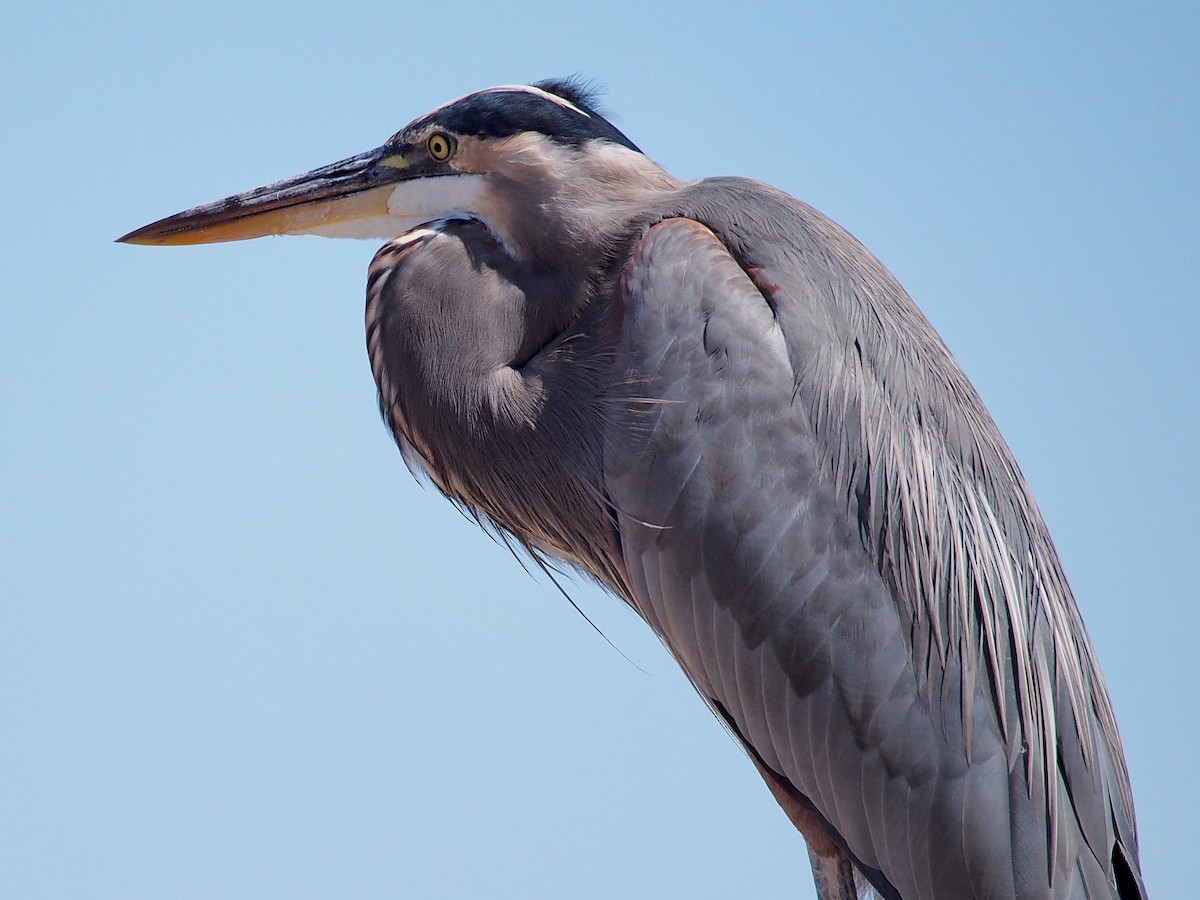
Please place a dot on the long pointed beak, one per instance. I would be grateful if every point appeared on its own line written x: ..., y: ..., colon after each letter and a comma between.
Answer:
x: 346, y: 199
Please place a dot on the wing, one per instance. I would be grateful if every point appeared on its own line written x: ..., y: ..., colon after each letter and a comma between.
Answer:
x: 827, y: 533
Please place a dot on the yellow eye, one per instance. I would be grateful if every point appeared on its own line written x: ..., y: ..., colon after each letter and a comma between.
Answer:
x: 439, y: 146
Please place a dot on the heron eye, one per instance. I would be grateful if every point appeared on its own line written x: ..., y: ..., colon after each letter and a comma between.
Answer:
x: 439, y: 146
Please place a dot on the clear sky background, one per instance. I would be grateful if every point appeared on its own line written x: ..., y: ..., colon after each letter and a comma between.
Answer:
x: 244, y: 654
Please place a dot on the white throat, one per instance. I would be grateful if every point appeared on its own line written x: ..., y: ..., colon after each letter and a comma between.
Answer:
x: 413, y: 203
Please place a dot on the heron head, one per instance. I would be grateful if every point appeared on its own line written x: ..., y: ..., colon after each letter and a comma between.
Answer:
x: 504, y: 155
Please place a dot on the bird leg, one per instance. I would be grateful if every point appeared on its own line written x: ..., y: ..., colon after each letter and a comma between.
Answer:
x: 832, y: 870
x: 833, y: 874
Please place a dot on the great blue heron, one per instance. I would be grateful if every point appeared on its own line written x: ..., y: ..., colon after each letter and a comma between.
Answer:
x: 714, y: 401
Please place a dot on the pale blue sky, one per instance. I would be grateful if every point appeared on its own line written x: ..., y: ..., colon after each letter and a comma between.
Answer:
x: 246, y: 655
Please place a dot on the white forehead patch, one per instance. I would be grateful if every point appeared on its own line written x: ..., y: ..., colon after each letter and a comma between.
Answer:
x: 523, y: 88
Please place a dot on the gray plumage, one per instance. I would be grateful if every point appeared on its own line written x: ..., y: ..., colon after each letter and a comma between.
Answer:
x: 714, y: 401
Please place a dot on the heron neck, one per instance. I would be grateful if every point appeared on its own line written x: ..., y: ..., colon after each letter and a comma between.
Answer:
x: 570, y: 208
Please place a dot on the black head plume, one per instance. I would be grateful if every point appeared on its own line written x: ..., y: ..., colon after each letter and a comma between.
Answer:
x: 503, y: 112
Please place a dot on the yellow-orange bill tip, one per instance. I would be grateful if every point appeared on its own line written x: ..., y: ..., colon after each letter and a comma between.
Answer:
x: 328, y: 200
x: 222, y: 222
